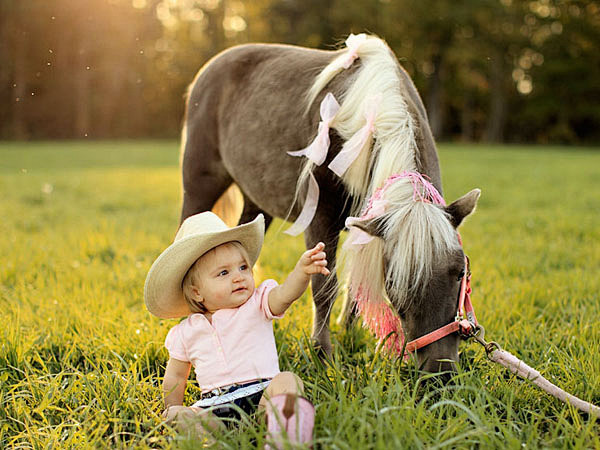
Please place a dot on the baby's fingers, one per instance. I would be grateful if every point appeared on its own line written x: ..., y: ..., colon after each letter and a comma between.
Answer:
x: 320, y: 267
x: 316, y: 249
x: 318, y: 256
x: 316, y: 260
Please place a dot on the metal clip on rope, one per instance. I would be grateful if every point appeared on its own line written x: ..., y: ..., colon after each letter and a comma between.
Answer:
x: 478, y: 336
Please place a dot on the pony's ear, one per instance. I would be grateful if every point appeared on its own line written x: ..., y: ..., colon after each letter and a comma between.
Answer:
x: 373, y: 227
x: 462, y: 207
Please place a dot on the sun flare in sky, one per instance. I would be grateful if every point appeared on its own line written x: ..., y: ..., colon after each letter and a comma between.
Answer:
x: 170, y: 12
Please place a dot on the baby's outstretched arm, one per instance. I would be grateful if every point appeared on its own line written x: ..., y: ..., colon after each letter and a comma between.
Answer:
x: 311, y: 262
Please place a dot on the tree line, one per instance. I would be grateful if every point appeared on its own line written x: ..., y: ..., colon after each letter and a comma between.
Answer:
x: 492, y: 70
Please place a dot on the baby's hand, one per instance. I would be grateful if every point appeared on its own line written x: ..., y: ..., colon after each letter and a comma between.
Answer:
x: 310, y: 263
x: 314, y: 261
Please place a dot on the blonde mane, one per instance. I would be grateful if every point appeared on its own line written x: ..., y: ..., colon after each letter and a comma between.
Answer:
x: 394, y: 148
x: 414, y: 231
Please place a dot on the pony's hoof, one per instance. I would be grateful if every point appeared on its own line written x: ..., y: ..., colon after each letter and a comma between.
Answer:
x: 323, y: 350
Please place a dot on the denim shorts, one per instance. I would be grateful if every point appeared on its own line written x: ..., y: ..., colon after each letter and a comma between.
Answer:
x: 224, y: 403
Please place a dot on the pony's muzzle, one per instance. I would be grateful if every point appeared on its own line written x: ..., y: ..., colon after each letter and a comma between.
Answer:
x: 440, y: 356
x: 438, y: 366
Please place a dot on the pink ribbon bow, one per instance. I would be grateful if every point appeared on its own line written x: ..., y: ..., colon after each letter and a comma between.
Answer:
x: 359, y: 140
x: 309, y: 209
x: 375, y: 208
x: 357, y: 236
x: 317, y: 150
x: 353, y: 42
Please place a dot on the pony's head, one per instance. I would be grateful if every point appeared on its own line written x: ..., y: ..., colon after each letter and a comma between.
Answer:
x: 417, y: 260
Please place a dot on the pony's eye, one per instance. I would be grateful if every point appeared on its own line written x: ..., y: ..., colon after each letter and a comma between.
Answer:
x: 461, y: 275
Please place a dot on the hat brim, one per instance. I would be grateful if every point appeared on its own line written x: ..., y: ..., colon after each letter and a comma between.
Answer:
x: 163, y: 292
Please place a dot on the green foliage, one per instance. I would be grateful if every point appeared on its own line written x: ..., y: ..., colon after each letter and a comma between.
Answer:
x: 497, y: 70
x: 81, y: 360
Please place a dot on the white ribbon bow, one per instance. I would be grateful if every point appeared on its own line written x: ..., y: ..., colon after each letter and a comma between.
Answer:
x: 359, y: 140
x: 352, y: 43
x: 309, y: 209
x: 317, y: 150
x: 358, y: 236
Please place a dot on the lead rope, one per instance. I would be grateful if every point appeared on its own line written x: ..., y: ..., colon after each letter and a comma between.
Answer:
x: 498, y: 355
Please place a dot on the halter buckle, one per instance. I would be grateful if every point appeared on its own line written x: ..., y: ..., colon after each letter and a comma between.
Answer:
x: 467, y: 329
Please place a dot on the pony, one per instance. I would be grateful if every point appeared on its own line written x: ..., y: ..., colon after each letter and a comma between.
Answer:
x: 252, y: 107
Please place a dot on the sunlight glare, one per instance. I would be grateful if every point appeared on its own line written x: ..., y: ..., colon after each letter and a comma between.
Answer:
x: 525, y: 86
x: 209, y: 4
x: 234, y: 23
x: 193, y: 15
x: 163, y: 12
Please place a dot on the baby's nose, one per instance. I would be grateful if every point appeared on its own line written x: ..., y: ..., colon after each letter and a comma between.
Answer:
x: 238, y: 276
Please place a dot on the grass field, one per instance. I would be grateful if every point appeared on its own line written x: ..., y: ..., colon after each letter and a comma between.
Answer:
x: 81, y: 360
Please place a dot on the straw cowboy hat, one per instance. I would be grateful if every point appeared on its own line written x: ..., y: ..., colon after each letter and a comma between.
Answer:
x: 198, y: 234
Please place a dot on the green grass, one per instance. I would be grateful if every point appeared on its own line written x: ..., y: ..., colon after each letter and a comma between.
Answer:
x: 81, y: 360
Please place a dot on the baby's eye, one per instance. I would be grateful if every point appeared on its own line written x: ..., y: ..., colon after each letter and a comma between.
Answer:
x: 222, y: 273
x: 243, y: 267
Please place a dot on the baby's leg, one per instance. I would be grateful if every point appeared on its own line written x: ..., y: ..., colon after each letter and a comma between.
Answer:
x: 282, y: 383
x: 289, y: 415
x: 191, y: 420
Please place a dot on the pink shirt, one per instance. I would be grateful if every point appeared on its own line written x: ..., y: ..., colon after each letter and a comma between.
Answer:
x: 238, y: 347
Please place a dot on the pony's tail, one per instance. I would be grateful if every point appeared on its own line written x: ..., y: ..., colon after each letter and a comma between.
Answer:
x: 229, y: 206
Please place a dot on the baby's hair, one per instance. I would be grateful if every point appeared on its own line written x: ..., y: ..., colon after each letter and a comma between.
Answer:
x: 193, y: 278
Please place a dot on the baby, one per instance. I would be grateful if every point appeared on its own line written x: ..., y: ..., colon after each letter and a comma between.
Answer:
x: 206, y: 275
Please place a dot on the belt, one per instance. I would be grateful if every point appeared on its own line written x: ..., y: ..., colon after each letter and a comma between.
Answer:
x: 225, y: 394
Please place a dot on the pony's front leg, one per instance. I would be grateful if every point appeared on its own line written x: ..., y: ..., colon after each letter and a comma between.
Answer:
x: 324, y: 289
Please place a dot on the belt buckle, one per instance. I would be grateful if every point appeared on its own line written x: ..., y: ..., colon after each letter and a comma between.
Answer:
x: 210, y: 394
x: 218, y: 391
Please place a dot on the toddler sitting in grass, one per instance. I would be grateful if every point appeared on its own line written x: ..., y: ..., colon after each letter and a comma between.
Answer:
x: 206, y: 275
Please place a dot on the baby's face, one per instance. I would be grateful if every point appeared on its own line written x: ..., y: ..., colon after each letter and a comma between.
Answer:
x: 226, y: 278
